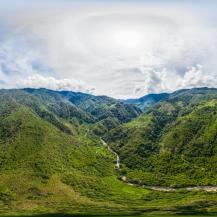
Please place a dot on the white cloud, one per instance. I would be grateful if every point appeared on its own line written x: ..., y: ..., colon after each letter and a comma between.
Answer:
x: 122, y: 50
x: 39, y: 81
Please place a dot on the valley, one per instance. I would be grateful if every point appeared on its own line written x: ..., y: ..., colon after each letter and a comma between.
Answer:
x: 158, y: 188
x: 75, y: 153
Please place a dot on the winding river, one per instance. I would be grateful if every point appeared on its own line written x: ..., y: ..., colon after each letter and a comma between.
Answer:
x: 117, y: 164
x: 157, y: 188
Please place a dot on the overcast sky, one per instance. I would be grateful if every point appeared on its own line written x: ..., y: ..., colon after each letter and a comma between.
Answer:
x: 124, y: 49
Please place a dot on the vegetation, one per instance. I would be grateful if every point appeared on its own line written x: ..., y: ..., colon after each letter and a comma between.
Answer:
x: 146, y: 102
x: 53, y: 161
x: 174, y: 143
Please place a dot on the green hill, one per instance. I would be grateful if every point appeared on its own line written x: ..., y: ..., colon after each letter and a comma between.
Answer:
x: 52, y: 159
x: 51, y: 162
x: 174, y: 144
x: 147, y: 101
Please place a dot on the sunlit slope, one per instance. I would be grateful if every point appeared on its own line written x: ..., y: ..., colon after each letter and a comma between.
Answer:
x: 52, y: 158
x: 174, y: 144
x: 50, y: 163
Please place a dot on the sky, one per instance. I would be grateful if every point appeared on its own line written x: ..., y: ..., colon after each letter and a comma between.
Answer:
x: 120, y: 48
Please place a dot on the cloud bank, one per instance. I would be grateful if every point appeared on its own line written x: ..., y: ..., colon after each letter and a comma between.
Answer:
x: 39, y: 81
x: 123, y: 50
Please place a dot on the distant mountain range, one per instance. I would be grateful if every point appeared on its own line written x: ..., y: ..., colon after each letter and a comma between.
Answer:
x: 52, y: 158
x: 147, y: 101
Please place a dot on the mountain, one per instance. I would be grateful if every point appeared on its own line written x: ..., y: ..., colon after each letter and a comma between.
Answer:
x: 53, y: 159
x: 147, y: 101
x: 103, y: 111
x: 174, y: 143
x: 50, y: 161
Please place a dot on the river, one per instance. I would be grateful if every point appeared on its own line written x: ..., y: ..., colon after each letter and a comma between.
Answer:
x: 157, y: 188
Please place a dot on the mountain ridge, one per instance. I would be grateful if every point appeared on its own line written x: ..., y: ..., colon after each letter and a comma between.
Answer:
x: 171, y: 141
x: 52, y: 156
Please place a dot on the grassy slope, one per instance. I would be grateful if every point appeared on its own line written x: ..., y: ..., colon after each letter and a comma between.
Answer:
x: 46, y: 168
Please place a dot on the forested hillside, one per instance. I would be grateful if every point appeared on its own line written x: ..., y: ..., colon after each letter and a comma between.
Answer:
x: 174, y: 143
x: 146, y: 102
x: 52, y: 158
